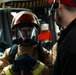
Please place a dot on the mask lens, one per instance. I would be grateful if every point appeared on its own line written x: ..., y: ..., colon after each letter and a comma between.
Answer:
x: 24, y: 32
x: 27, y: 34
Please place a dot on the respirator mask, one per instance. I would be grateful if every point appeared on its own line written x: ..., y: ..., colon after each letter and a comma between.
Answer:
x: 27, y: 36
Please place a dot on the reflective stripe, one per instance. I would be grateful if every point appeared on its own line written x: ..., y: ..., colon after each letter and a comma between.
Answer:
x: 38, y: 69
x: 7, y: 71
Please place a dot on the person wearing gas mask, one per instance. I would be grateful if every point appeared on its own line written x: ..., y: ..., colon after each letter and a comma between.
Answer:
x: 65, y: 16
x: 26, y: 58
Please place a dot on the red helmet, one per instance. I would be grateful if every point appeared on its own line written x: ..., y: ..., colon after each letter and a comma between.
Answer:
x: 25, y: 17
x: 69, y: 2
x: 22, y: 19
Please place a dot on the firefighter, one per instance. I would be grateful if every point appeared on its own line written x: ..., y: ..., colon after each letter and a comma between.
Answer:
x: 65, y: 16
x: 28, y: 59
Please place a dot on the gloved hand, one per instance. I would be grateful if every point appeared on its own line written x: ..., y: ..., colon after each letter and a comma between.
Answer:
x: 24, y: 62
x: 15, y: 67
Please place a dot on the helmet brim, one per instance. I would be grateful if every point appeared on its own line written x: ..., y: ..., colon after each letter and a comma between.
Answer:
x: 29, y: 24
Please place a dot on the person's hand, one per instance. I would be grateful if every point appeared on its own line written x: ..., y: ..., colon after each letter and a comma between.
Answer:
x: 24, y: 62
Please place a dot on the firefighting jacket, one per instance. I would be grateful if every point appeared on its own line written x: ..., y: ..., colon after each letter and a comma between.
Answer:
x: 5, y: 65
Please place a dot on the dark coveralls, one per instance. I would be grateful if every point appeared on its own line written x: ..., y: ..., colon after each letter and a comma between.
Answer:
x: 65, y: 63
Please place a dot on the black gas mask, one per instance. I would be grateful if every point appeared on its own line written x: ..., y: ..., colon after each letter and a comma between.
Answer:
x: 27, y: 36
